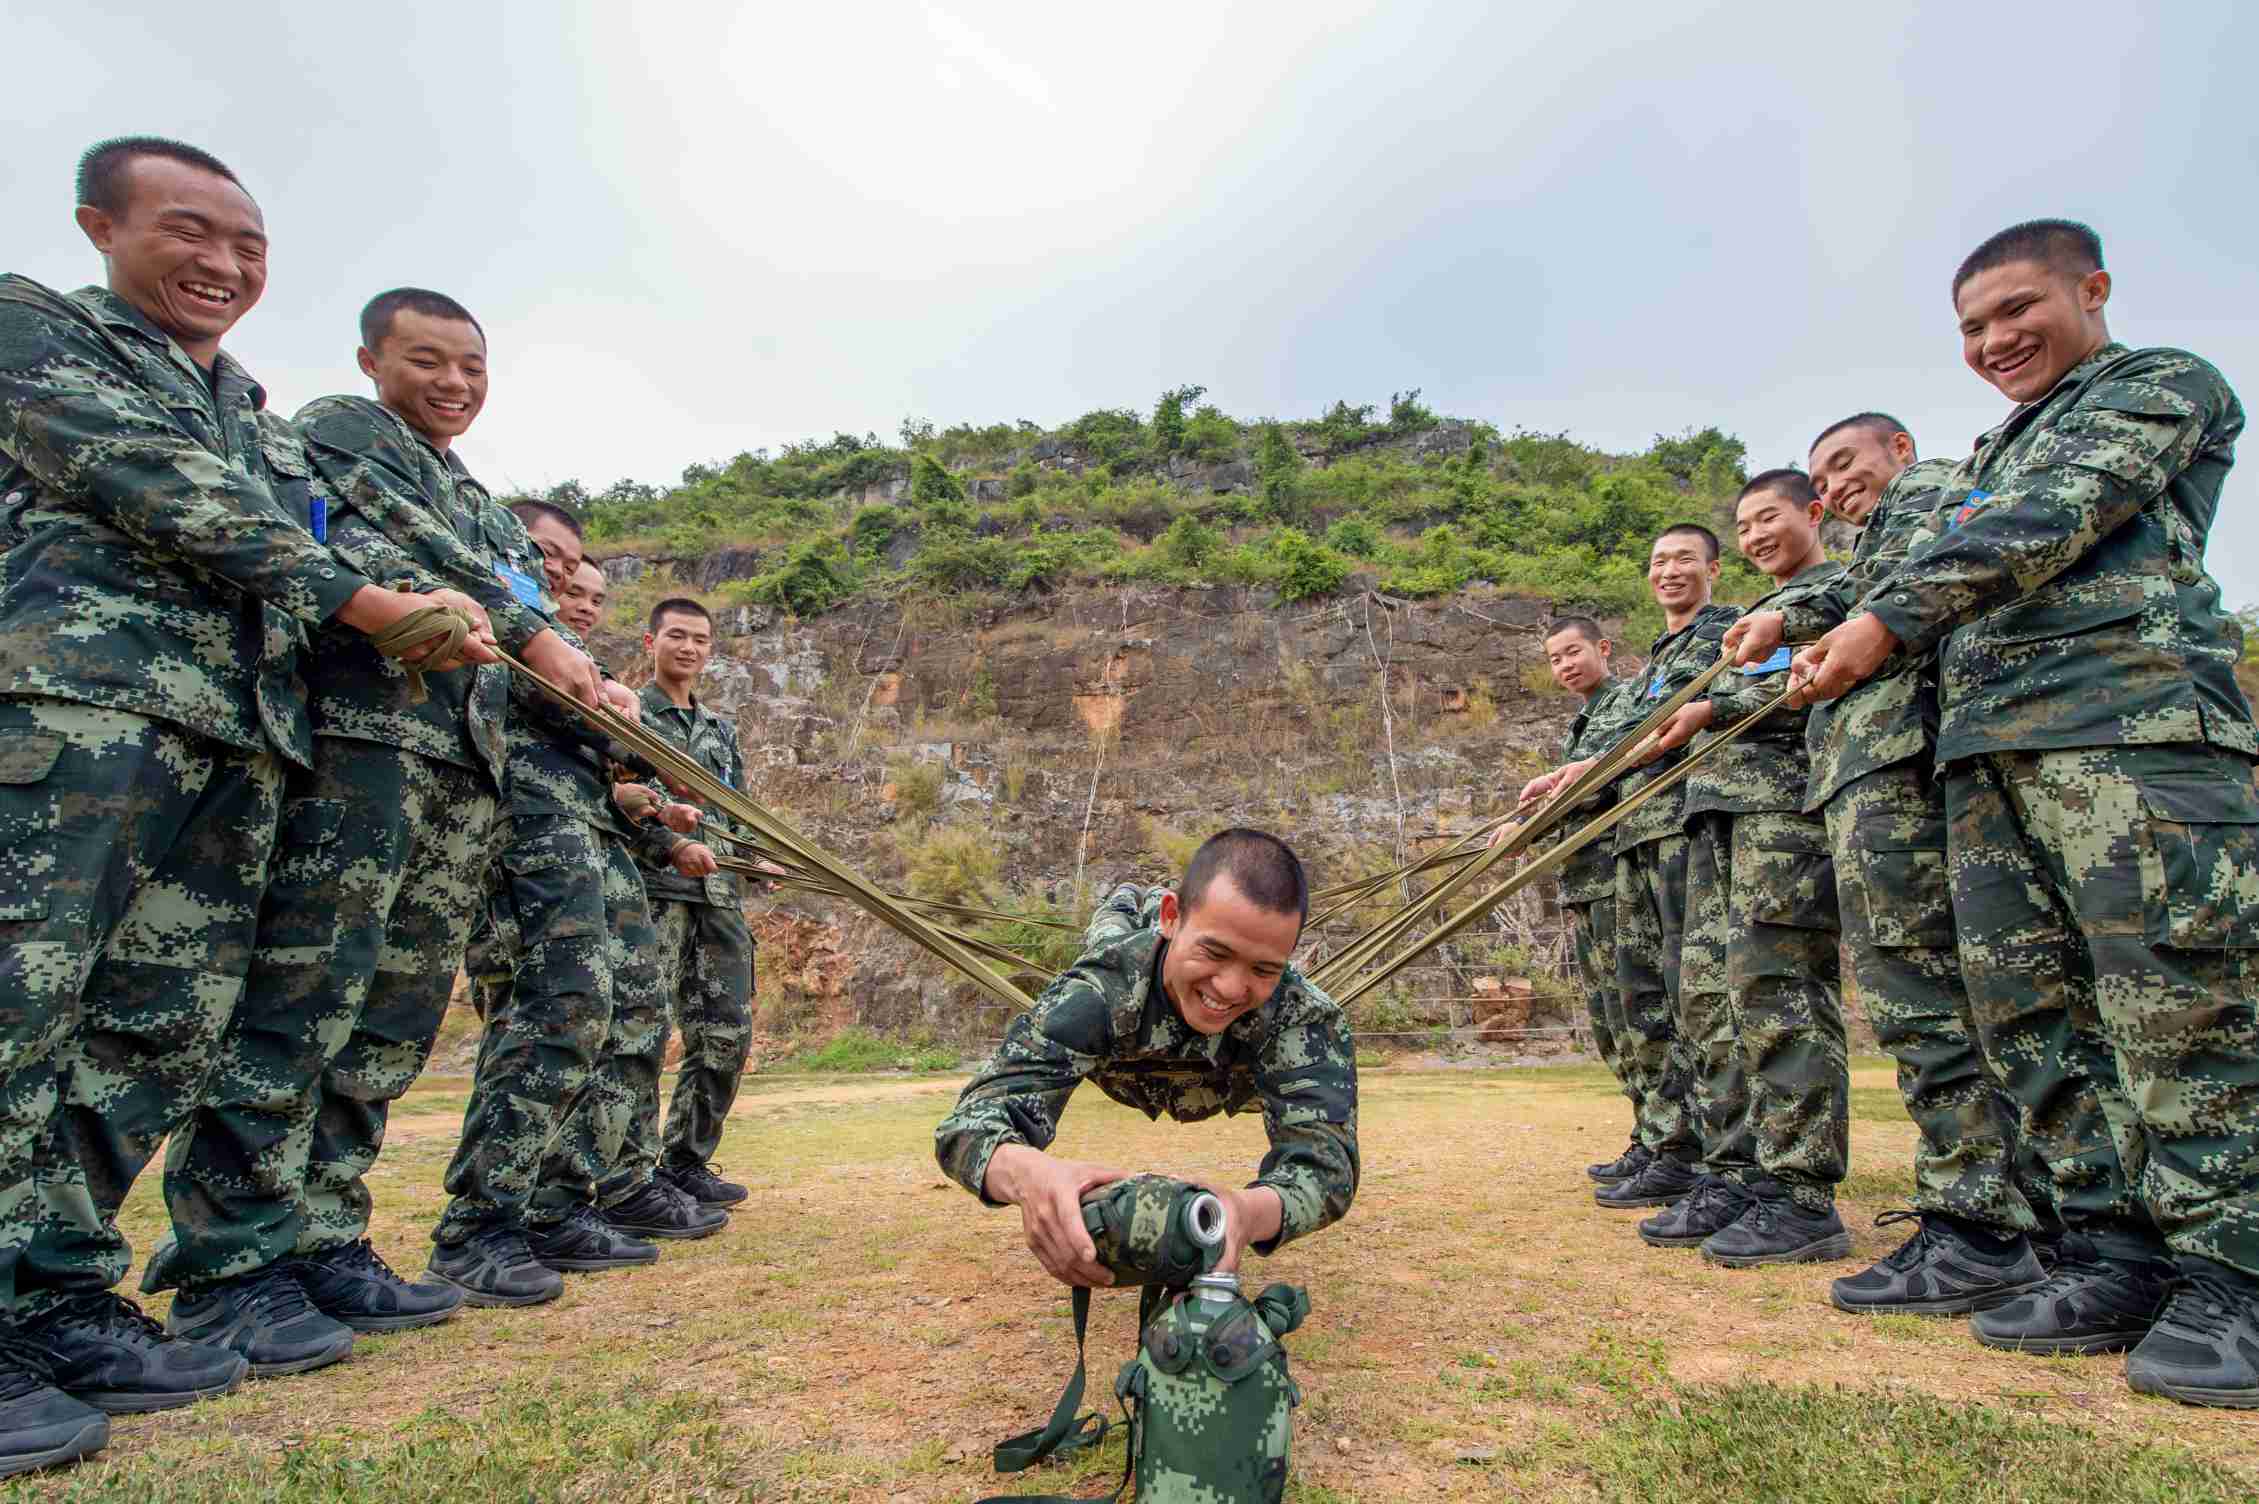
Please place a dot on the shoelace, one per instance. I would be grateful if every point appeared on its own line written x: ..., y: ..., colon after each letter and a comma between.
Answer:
x: 505, y: 1246
x: 363, y: 1255
x: 24, y: 1366
x: 1909, y: 1253
x: 2206, y: 1304
x: 109, y: 1311
x: 276, y: 1294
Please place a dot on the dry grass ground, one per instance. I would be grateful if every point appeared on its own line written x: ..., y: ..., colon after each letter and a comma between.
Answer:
x: 863, y: 1331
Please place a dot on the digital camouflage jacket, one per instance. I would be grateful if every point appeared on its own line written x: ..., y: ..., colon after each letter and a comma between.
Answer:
x: 711, y: 739
x: 1107, y: 1019
x: 1676, y: 659
x: 1609, y: 711
x: 1765, y: 768
x: 2069, y: 590
x: 153, y: 563
x: 399, y: 508
x: 1893, y: 716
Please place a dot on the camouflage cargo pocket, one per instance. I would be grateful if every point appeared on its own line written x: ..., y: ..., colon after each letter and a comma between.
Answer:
x: 2200, y: 866
x: 1790, y: 874
x: 26, y: 757
x: 555, y: 889
x: 301, y: 905
x: 1908, y: 896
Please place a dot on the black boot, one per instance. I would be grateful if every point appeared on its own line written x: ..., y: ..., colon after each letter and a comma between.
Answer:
x: 1624, y: 1166
x: 352, y: 1283
x: 2089, y: 1303
x: 107, y: 1351
x: 1774, y: 1228
x: 2204, y: 1349
x: 40, y: 1426
x: 1938, y: 1272
x: 1660, y: 1182
x: 1715, y: 1203
x: 702, y: 1185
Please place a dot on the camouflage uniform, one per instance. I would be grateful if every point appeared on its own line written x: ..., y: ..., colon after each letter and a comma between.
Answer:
x: 705, y: 958
x: 1650, y: 858
x: 2103, y: 827
x: 565, y: 967
x: 1873, y: 782
x: 158, y: 581
x: 1108, y: 1018
x: 1759, y: 985
x: 1588, y: 879
x: 384, y: 844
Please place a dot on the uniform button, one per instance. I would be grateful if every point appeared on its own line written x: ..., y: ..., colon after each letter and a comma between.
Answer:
x: 14, y: 497
x: 329, y: 574
x: 1903, y: 600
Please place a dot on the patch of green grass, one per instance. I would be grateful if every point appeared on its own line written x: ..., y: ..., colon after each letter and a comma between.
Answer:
x: 1877, y: 1104
x: 1882, y: 1188
x: 859, y: 1049
x: 1833, y: 1446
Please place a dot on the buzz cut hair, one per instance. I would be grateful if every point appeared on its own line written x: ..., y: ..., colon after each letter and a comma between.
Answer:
x: 1259, y: 864
x: 677, y: 605
x: 1695, y: 529
x: 1881, y: 425
x: 1583, y: 626
x: 2063, y: 245
x: 1787, y: 481
x: 101, y: 182
x: 530, y: 511
x: 377, y: 316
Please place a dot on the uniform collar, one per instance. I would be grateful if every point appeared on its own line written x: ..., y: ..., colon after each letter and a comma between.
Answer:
x: 117, y: 313
x: 655, y: 698
x: 2077, y: 376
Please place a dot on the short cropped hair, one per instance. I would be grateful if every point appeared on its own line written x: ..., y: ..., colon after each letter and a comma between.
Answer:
x: 1709, y: 539
x: 377, y: 317
x: 1788, y: 481
x: 1881, y: 425
x: 530, y: 511
x: 1583, y: 626
x: 1260, y: 865
x: 677, y: 605
x: 2063, y: 244
x: 102, y: 167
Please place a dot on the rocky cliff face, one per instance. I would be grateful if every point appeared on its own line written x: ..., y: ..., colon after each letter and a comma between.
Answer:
x: 1033, y: 749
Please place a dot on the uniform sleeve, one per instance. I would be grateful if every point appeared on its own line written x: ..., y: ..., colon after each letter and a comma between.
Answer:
x: 1813, y: 616
x: 1307, y: 1077
x: 1019, y: 1091
x: 77, y: 420
x: 1121, y: 914
x: 2107, y: 456
x: 371, y: 473
x: 360, y: 544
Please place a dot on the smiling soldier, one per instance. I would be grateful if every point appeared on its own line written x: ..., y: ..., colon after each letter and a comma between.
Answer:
x: 1183, y: 1003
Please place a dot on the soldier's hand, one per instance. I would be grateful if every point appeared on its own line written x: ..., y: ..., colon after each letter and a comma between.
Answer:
x: 1676, y: 732
x: 565, y: 666
x: 1847, y: 656
x: 622, y: 699
x: 696, y: 859
x: 1251, y: 1215
x: 680, y: 818
x: 372, y: 609
x: 1755, y: 637
x: 1049, y: 1195
x: 635, y: 801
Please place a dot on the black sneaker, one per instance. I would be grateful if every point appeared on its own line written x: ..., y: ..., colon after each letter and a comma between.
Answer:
x: 40, y: 1426
x: 103, y: 1349
x: 1714, y: 1204
x: 584, y: 1240
x: 1937, y: 1272
x: 1774, y: 1229
x: 494, y: 1267
x: 658, y: 1210
x: 352, y: 1283
x: 2089, y: 1304
x: 1660, y: 1182
x: 265, y: 1316
x: 2204, y: 1349
x: 702, y: 1185
x: 1624, y: 1166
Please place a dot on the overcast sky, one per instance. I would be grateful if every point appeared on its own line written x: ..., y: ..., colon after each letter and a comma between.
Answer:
x: 694, y: 229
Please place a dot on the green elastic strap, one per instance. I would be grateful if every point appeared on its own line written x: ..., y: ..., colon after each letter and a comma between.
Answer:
x: 1063, y: 1435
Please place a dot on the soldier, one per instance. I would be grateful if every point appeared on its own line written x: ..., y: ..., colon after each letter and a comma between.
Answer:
x: 565, y: 970
x: 159, y: 577
x: 1759, y: 987
x: 1185, y: 1003
x: 1650, y: 852
x: 386, y: 841
x: 705, y: 949
x: 1581, y: 661
x: 2104, y: 830
x: 1981, y: 1194
x: 581, y: 607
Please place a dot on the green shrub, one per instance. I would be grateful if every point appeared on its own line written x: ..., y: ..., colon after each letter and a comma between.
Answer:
x: 1355, y: 537
x: 813, y: 578
x: 952, y: 864
x: 930, y: 483
x: 1189, y: 544
x: 1305, y: 569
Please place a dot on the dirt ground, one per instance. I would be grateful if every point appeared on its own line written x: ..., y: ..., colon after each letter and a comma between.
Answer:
x: 864, y: 1331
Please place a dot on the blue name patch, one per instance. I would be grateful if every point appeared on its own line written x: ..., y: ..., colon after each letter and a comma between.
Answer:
x: 1772, y: 665
x: 1655, y: 690
x: 522, y: 585
x: 317, y: 518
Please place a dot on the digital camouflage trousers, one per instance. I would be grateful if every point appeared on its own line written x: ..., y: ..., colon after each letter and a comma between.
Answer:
x: 1887, y: 834
x: 706, y: 976
x: 375, y: 883
x: 564, y: 977
x: 1650, y: 924
x: 132, y: 856
x: 2108, y: 904
x: 1761, y: 1003
x: 1594, y: 925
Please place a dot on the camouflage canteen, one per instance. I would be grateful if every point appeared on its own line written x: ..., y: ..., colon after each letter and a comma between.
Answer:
x: 1210, y: 1402
x: 1152, y: 1230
